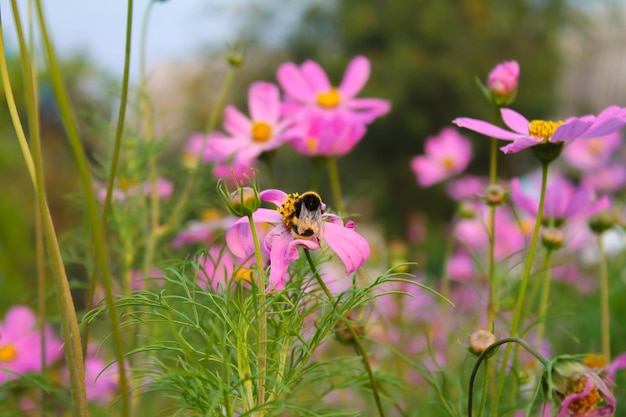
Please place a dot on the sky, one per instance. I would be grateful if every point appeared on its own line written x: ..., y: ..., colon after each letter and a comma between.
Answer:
x: 177, y: 28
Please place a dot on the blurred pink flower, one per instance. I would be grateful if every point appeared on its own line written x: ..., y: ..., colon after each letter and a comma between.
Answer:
x: 203, y: 231
x: 308, y: 85
x: 460, y: 266
x: 563, y: 199
x: 281, y: 247
x: 20, y: 344
x: 224, y: 165
x: 606, y: 179
x: 525, y: 133
x: 446, y: 155
x: 593, y: 153
x: 249, y: 137
x: 326, y: 134
x: 467, y: 187
x: 218, y: 267
x: 502, y: 81
x: 164, y: 189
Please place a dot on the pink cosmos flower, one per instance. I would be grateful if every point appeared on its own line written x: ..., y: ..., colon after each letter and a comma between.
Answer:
x: 249, y: 137
x: 502, y: 81
x: 224, y: 165
x: 447, y: 154
x: 593, y: 153
x: 326, y: 134
x: 164, y: 189
x: 20, y: 344
x: 563, y: 199
x: 219, y: 267
x: 606, y: 179
x: 525, y: 133
x: 281, y: 247
x: 308, y: 85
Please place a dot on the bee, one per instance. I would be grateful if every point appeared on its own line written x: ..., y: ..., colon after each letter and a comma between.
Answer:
x: 306, y: 218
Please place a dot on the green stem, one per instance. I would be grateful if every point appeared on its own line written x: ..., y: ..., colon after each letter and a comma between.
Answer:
x: 262, y: 355
x: 353, y: 333
x: 483, y: 396
x: 545, y: 296
x: 80, y: 158
x: 335, y: 185
x: 487, y: 353
x: 604, y: 302
x: 195, y: 169
x: 519, y: 306
x: 69, y: 321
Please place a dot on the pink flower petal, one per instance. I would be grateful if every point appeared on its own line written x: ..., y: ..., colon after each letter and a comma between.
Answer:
x: 570, y: 130
x: 350, y: 247
x: 355, y: 77
x: 294, y: 84
x: 515, y: 121
x: 486, y: 128
x: 316, y: 77
x: 520, y: 144
x: 264, y: 102
x: 236, y: 123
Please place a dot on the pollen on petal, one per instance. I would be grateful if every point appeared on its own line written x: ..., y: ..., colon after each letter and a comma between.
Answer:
x: 261, y: 132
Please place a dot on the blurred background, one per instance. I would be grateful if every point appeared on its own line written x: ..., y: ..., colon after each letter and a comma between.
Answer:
x: 425, y: 54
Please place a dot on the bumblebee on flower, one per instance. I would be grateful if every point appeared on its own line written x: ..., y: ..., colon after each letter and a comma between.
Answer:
x: 299, y: 220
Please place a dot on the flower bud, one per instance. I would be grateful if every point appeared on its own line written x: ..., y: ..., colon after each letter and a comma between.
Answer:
x: 603, y: 221
x: 236, y: 56
x: 342, y: 332
x: 502, y: 82
x: 480, y: 340
x: 552, y: 238
x: 241, y: 202
x: 495, y: 195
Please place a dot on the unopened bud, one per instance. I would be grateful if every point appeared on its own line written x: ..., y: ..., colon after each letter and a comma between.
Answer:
x: 343, y: 333
x: 552, y: 238
x: 236, y: 56
x: 241, y: 202
x: 502, y: 82
x: 495, y: 195
x: 480, y: 340
x: 603, y: 221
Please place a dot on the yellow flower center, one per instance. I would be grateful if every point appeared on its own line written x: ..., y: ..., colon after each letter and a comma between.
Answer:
x: 261, y: 131
x: 583, y: 405
x: 595, y: 145
x: 543, y: 129
x: 448, y: 163
x: 211, y: 214
x: 329, y: 99
x: 594, y: 360
x: 311, y: 143
x: 244, y: 274
x: 7, y: 353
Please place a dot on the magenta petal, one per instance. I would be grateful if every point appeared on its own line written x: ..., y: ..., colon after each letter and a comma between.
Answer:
x: 264, y: 102
x: 294, y: 84
x: 316, y: 77
x: 427, y: 172
x: 617, y: 364
x: 570, y: 130
x: 522, y: 200
x: 369, y: 108
x: 515, y: 121
x: 520, y: 144
x: 350, y: 247
x: 236, y: 123
x: 355, y: 77
x: 606, y: 127
x: 486, y: 129
x: 273, y: 196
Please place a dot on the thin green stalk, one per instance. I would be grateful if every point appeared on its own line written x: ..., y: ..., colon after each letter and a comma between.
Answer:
x: 545, y: 296
x: 80, y: 158
x: 353, y: 333
x: 487, y: 353
x: 335, y: 184
x: 262, y: 354
x: 494, y: 288
x: 483, y: 397
x: 604, y: 302
x: 195, y: 169
x: 69, y: 321
x: 41, y: 297
x: 519, y: 306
